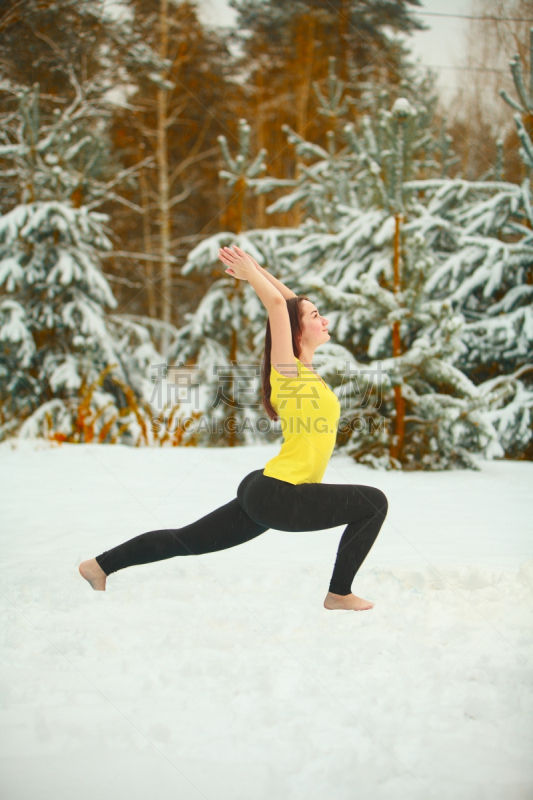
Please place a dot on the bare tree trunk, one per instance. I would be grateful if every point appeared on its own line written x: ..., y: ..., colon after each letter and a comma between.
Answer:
x: 163, y: 181
x: 477, y: 111
x: 238, y: 205
x: 305, y: 47
x: 240, y: 190
x: 344, y: 24
x: 147, y: 235
x: 260, y: 126
x: 305, y: 42
x: 399, y: 427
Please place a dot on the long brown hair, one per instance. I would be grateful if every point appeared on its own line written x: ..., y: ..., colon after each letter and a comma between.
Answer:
x: 295, y: 309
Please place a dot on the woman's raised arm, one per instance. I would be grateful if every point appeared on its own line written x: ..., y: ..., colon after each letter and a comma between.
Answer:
x: 284, y: 290
x: 242, y: 266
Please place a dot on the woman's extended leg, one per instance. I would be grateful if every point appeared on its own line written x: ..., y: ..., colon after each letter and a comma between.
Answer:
x: 227, y: 526
x: 315, y: 506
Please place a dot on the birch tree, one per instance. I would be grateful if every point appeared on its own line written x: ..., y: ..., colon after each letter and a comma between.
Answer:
x: 170, y: 116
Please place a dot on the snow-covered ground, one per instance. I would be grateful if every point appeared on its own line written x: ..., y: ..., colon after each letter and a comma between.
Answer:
x: 223, y: 677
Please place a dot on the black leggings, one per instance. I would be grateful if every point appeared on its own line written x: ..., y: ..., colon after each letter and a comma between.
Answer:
x: 262, y: 503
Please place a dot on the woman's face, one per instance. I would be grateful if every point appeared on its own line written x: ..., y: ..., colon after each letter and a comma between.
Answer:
x: 314, y: 326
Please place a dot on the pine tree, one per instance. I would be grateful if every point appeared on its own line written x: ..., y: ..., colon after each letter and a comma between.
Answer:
x: 225, y: 335
x: 67, y: 369
x: 483, y: 249
x: 351, y: 196
x: 173, y: 113
x: 374, y: 265
x: 367, y: 253
x: 285, y: 48
x: 224, y: 339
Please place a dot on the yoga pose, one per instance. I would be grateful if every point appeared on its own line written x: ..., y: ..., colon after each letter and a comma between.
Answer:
x: 287, y: 494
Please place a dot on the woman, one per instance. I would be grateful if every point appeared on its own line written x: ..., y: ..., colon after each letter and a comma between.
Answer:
x: 287, y: 494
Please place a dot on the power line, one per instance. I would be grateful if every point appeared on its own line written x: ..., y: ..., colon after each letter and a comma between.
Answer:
x: 469, y: 69
x: 466, y: 16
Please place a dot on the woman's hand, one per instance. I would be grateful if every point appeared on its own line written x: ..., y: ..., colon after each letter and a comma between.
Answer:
x: 240, y: 264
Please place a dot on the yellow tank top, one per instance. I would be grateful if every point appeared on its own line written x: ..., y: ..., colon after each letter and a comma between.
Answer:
x: 309, y: 412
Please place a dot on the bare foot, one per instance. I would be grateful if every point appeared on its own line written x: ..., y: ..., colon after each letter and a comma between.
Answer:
x: 346, y: 601
x: 93, y: 572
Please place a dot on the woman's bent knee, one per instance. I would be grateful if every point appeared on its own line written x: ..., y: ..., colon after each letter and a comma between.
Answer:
x: 383, y: 502
x: 379, y: 500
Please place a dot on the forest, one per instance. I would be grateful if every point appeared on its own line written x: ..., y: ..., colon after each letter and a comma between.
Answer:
x: 136, y: 140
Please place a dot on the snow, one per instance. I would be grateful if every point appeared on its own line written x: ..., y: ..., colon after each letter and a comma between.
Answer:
x: 402, y: 107
x: 223, y: 677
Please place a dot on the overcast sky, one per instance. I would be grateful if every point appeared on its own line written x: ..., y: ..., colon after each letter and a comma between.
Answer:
x: 441, y: 45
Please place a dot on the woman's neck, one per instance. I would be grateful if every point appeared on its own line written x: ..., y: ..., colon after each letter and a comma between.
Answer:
x: 307, y: 358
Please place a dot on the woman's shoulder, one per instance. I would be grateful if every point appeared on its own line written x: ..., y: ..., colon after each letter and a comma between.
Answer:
x: 273, y: 369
